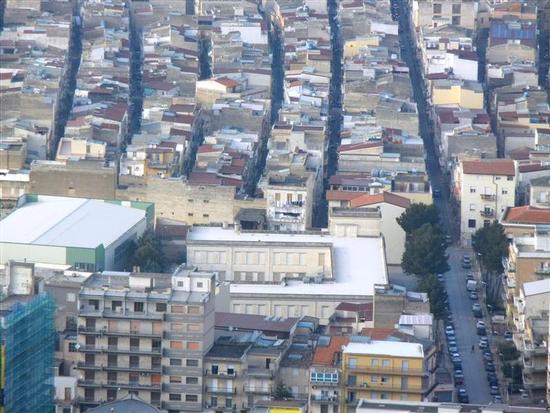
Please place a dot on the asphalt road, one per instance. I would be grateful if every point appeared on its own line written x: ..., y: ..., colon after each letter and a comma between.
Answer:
x: 475, y: 378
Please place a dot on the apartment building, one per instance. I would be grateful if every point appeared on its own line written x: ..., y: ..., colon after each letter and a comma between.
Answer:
x: 484, y: 189
x: 434, y: 13
x: 289, y: 201
x: 466, y: 94
x: 326, y: 375
x: 147, y: 335
x: 387, y: 370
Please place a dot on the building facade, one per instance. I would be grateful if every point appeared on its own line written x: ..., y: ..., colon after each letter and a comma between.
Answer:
x: 145, y: 334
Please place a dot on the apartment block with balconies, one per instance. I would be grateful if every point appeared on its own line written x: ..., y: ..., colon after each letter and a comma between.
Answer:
x: 289, y: 202
x: 386, y: 370
x: 145, y: 334
x: 484, y: 189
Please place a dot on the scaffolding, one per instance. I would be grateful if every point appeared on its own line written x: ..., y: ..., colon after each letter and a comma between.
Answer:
x: 27, y: 334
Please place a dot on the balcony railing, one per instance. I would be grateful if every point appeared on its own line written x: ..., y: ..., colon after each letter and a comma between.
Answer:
x: 259, y: 372
x: 117, y: 349
x: 384, y: 387
x: 488, y: 197
x: 108, y: 313
x: 220, y: 374
x: 542, y: 270
x: 388, y: 370
x: 247, y: 388
x: 321, y: 398
x: 220, y: 390
x: 106, y: 332
x: 487, y: 213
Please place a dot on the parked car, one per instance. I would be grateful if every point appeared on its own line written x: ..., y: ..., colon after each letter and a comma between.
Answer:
x: 470, y: 276
x: 490, y: 367
x: 440, y: 277
x: 480, y: 323
x: 495, y: 391
x: 453, y: 349
x: 466, y: 258
x: 463, y: 396
x: 483, y: 345
x: 458, y: 378
x: 473, y: 295
x: 467, y: 265
x: 497, y: 399
x: 508, y: 336
x: 457, y: 365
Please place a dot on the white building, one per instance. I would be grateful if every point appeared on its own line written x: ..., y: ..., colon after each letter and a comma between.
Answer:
x: 289, y: 275
x: 485, y: 189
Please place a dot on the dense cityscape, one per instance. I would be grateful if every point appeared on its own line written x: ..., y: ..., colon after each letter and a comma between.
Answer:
x: 275, y: 206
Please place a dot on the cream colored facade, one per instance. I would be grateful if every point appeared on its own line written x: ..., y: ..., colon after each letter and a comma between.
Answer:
x: 261, y: 262
x: 353, y: 47
x: 434, y: 13
x: 446, y: 93
x: 483, y: 199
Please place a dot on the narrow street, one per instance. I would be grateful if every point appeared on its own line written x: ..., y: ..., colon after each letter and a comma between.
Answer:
x: 475, y: 379
x: 455, y: 280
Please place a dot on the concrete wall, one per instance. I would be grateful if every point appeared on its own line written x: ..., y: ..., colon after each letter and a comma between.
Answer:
x: 32, y: 253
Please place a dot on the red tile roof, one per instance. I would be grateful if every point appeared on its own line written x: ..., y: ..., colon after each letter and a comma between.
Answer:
x: 388, y: 197
x: 225, y: 81
x: 325, y: 355
x: 489, y: 167
x: 527, y: 215
x: 343, y: 195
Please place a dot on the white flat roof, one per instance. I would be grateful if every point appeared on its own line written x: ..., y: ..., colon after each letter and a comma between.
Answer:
x: 359, y: 263
x: 416, y: 319
x: 386, y: 348
x: 68, y: 222
x: 536, y: 287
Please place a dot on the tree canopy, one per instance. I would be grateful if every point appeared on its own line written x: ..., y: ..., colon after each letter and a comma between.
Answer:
x: 491, y: 245
x: 425, y: 252
x: 417, y: 215
x: 436, y: 294
x: 148, y: 255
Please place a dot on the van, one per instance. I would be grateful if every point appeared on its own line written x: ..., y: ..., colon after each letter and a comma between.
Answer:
x: 471, y: 285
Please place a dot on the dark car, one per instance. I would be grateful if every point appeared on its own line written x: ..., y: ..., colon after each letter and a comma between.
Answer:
x: 463, y: 396
x: 459, y: 377
x: 467, y: 265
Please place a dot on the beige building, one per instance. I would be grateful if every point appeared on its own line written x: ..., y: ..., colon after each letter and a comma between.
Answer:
x: 485, y: 188
x: 458, y: 93
x: 360, y: 220
x: 289, y: 200
x: 289, y: 275
x: 434, y: 13
x: 13, y: 154
x: 146, y: 334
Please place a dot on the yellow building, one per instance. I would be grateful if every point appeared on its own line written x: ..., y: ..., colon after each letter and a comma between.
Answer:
x: 355, y: 46
x: 388, y: 370
x: 460, y: 93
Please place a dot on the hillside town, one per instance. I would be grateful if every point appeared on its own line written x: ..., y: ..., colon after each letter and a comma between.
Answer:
x: 274, y: 206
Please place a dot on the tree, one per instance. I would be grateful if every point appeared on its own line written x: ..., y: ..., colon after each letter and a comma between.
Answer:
x: 425, y: 252
x: 417, y: 215
x: 281, y: 392
x: 491, y: 246
x: 436, y: 294
x: 148, y: 255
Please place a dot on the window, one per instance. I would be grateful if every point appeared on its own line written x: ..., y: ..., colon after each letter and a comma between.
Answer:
x: 472, y: 189
x: 472, y: 207
x: 497, y: 178
x: 155, y: 397
x: 205, y: 215
x: 175, y: 362
x: 190, y: 201
x: 160, y: 307
x: 112, y: 342
x: 510, y: 178
x: 352, y: 380
x: 288, y: 197
x: 321, y: 259
x: 471, y: 223
x: 177, y: 327
x: 156, y: 343
x: 116, y: 305
x: 200, y: 284
x: 111, y: 377
x: 206, y: 201
x: 194, y: 328
x: 138, y: 307
x: 352, y: 363
x: 191, y: 380
x: 174, y: 396
x: 134, y: 361
x: 437, y: 8
x: 504, y: 192
x: 374, y: 363
x: 72, y: 348
x: 385, y: 363
x: 178, y: 309
x: 374, y: 379
x: 214, y: 401
x: 134, y: 343
x: 384, y: 380
x: 176, y: 345
x: 214, y: 369
x: 455, y: 20
x: 192, y: 363
x: 193, y: 309
x: 112, y: 360
x: 191, y: 398
x: 190, y: 214
x: 230, y: 371
x: 175, y: 379
x: 456, y: 8
x: 193, y: 345
x: 384, y: 396
x: 486, y: 222
x: 228, y: 402
x: 404, y: 397
x: 89, y: 394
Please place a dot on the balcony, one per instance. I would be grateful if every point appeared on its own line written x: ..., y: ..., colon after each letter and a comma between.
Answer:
x: 487, y: 213
x: 321, y: 398
x: 247, y: 388
x: 116, y: 367
x: 220, y: 375
x: 384, y: 387
x: 181, y: 405
x: 88, y: 383
x: 259, y: 372
x: 132, y: 385
x: 529, y: 367
x: 542, y: 270
x: 172, y: 352
x: 181, y: 371
x: 88, y: 366
x: 220, y: 390
x: 388, y: 370
x: 103, y: 331
x: 116, y: 349
x: 295, y: 207
x: 488, y: 197
x: 86, y: 311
